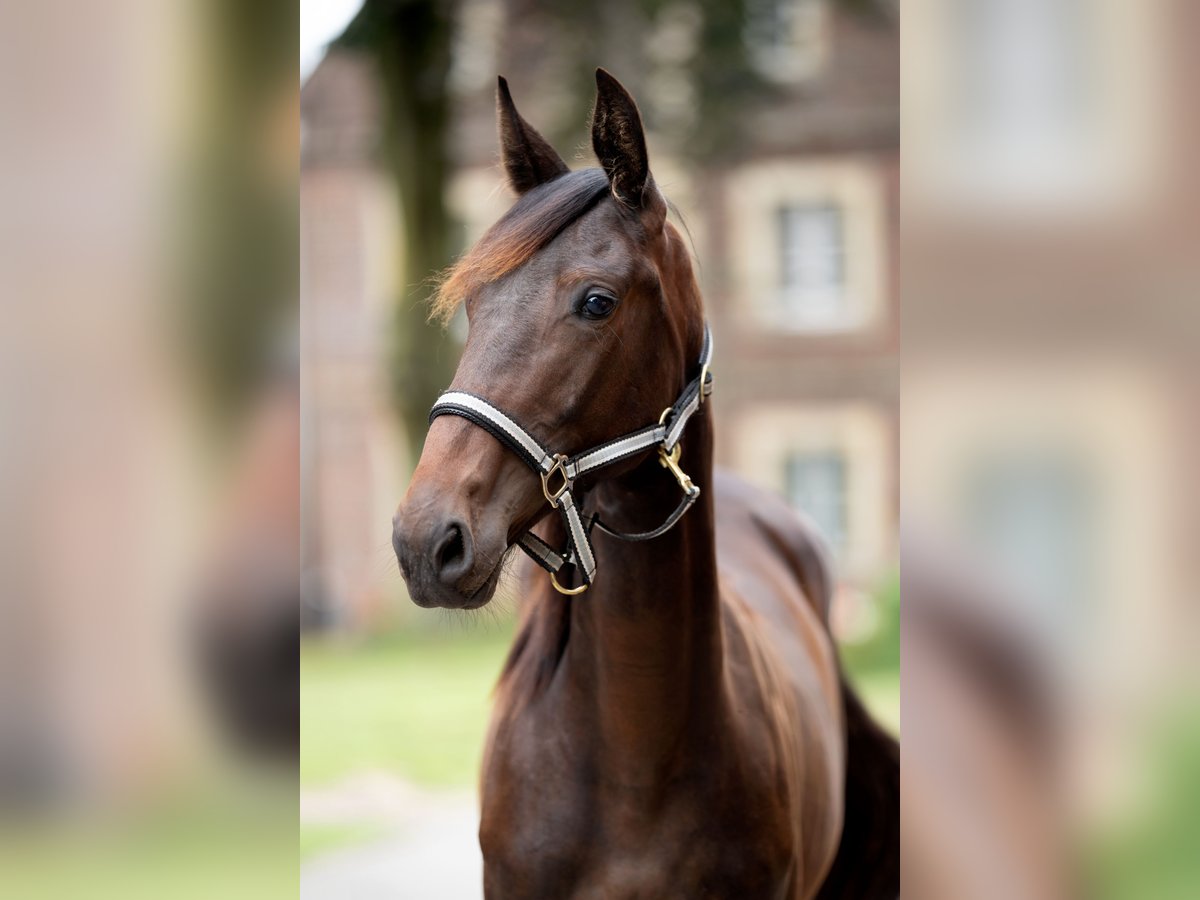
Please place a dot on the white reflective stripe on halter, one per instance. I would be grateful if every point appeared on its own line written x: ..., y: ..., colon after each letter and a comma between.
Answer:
x: 580, y: 542
x: 541, y: 552
x: 607, y: 454
x: 537, y: 454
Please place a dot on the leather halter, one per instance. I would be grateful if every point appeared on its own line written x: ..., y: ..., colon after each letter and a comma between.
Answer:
x: 559, y: 471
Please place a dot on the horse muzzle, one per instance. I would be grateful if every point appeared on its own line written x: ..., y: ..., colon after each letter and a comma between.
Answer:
x: 452, y: 529
x: 441, y: 559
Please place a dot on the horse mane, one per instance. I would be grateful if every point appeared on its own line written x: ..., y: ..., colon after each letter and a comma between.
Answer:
x: 536, y: 219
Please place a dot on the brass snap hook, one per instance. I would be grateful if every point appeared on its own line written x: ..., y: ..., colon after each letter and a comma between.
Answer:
x: 671, y: 461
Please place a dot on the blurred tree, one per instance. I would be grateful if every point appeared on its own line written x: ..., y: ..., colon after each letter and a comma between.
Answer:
x: 410, y: 42
x: 239, y: 250
x: 619, y: 35
x: 725, y: 83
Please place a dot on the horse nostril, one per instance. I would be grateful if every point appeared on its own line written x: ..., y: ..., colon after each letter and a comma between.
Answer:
x: 452, y: 556
x: 451, y: 548
x: 398, y: 547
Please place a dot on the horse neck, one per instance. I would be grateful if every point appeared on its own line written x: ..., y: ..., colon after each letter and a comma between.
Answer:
x: 644, y: 651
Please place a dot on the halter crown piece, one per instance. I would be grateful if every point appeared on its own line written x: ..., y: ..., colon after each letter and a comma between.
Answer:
x: 559, y: 472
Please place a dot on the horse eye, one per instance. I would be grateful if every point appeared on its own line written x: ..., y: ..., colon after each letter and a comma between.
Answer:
x: 598, y: 306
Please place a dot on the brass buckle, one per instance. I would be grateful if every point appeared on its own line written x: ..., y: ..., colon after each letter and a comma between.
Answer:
x: 671, y: 461
x: 703, y: 378
x: 570, y: 592
x: 559, y: 466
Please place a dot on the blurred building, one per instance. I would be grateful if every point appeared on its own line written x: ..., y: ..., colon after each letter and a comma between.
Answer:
x: 1050, y: 421
x: 1049, y: 238
x: 795, y: 234
x: 353, y: 459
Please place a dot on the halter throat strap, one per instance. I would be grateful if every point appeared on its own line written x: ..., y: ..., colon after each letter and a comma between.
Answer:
x: 559, y: 471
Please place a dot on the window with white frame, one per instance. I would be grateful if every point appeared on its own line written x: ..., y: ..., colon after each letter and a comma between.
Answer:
x: 834, y: 463
x: 1032, y: 514
x: 807, y: 244
x: 812, y: 264
x: 816, y: 485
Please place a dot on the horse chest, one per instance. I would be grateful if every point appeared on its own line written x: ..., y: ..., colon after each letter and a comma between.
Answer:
x: 645, y: 861
x: 553, y: 828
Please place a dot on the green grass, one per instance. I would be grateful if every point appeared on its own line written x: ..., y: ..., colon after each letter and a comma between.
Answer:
x: 416, y: 703
x: 413, y: 704
x: 194, y: 842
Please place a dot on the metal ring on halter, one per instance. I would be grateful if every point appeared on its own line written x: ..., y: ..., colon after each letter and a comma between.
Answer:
x: 560, y: 461
x: 703, y: 378
x: 570, y: 592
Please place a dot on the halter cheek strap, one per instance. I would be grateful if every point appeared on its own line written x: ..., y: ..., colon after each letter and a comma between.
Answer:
x: 559, y: 472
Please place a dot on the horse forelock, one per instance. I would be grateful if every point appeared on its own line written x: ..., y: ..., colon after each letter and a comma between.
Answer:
x: 530, y: 224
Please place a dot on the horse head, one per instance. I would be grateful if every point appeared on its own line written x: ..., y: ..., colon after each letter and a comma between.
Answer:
x: 584, y: 318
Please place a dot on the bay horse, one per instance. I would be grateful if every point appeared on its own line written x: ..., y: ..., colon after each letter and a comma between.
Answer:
x: 671, y: 720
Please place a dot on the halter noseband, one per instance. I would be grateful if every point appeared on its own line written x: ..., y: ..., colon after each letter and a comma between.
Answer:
x: 559, y: 471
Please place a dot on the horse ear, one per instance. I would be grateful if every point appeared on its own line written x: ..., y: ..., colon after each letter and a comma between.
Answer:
x: 528, y: 157
x: 620, y: 145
